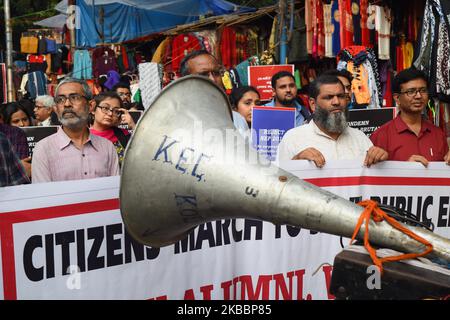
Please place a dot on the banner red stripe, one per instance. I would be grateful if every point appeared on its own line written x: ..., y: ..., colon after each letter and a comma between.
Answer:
x: 60, y: 211
x: 7, y: 238
x: 8, y: 262
x: 386, y: 181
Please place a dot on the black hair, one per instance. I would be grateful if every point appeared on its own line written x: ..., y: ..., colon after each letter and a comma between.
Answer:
x: 314, y: 87
x: 184, y: 68
x: 237, y: 94
x: 406, y: 76
x: 120, y: 85
x: 279, y: 75
x: 339, y: 73
x: 12, y: 108
x: 107, y: 95
x: 99, y: 98
x: 29, y: 105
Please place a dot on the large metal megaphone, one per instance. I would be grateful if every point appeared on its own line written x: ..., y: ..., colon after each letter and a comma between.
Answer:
x: 187, y: 165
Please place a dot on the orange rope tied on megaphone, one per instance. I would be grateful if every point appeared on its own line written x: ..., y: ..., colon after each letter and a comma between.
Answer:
x: 373, y: 211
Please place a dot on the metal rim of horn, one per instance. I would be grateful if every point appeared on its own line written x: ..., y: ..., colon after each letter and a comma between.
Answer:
x: 186, y: 165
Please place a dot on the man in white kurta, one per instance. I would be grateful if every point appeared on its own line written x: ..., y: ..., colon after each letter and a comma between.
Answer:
x: 351, y: 144
x: 327, y: 136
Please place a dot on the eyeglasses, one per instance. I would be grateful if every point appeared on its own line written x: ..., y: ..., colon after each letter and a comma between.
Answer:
x: 124, y: 94
x: 106, y: 109
x: 215, y: 73
x: 74, y: 98
x: 39, y: 107
x: 412, y: 92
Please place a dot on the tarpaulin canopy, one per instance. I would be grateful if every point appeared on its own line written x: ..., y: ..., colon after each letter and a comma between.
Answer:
x: 106, y: 21
x: 57, y: 21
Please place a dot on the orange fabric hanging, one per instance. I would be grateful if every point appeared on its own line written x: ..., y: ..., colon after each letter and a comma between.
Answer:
x: 373, y: 211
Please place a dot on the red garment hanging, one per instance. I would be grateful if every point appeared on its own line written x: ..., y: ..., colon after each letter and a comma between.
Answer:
x: 346, y: 23
x: 388, y: 93
x: 320, y: 30
x: 228, y: 48
x: 365, y: 35
x: 354, y: 50
x: 123, y: 51
x: 315, y: 31
x: 182, y: 45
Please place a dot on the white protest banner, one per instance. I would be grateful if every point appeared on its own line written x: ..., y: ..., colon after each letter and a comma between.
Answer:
x: 66, y: 240
x: 423, y: 191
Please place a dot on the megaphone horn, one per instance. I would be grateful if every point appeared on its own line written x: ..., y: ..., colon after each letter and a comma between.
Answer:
x: 171, y: 182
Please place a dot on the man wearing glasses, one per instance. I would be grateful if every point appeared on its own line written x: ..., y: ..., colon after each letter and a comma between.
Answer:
x: 124, y: 92
x: 204, y: 64
x: 328, y: 136
x: 73, y: 153
x: 410, y: 137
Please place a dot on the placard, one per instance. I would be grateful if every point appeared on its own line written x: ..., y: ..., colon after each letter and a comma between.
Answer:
x: 269, y: 124
x: 136, y: 115
x: 369, y: 120
x: 36, y: 134
x: 260, y: 77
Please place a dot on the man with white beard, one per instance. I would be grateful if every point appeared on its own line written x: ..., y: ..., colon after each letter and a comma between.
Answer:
x: 73, y: 153
x: 328, y: 136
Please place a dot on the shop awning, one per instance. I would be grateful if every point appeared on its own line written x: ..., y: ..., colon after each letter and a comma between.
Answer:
x: 57, y: 22
x: 225, y: 20
x: 107, y: 21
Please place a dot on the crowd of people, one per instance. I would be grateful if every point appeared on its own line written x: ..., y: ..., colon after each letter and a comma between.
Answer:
x: 89, y: 143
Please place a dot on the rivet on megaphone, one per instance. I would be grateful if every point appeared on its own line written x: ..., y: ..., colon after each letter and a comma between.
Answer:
x: 282, y: 178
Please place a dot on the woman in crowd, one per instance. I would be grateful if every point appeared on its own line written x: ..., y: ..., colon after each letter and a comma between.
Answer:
x: 108, y: 113
x: 16, y: 115
x: 243, y: 99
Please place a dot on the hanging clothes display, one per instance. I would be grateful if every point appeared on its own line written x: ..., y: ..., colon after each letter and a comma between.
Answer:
x: 36, y: 63
x: 366, y: 87
x: 297, y: 52
x: 356, y: 20
x: 228, y: 51
x: 309, y: 25
x: 434, y: 47
x: 82, y: 68
x: 328, y: 26
x: 182, y: 45
x: 29, y: 44
x: 103, y: 60
x: 383, y: 27
x: 336, y: 31
x: 36, y: 84
x: 346, y: 23
x: 158, y: 56
x: 365, y: 39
